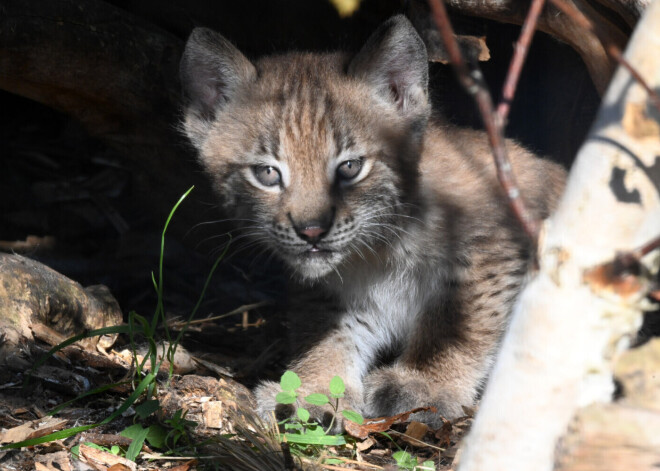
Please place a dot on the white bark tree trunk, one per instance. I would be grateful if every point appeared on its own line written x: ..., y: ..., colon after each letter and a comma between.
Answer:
x: 558, y: 351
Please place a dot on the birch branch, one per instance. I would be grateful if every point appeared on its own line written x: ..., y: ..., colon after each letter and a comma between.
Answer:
x: 557, y: 354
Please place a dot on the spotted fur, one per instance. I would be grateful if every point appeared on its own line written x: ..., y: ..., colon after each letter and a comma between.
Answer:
x: 417, y: 251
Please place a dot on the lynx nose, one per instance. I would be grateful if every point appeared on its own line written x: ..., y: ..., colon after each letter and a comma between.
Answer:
x: 312, y: 231
x: 312, y: 234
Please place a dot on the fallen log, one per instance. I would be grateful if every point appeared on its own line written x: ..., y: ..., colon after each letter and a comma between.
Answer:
x: 32, y: 293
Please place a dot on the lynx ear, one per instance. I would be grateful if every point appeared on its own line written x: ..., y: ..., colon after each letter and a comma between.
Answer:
x: 394, y: 61
x: 211, y: 72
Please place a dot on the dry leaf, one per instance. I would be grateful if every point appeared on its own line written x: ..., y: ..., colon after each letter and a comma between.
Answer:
x: 119, y: 467
x: 185, y: 466
x: 414, y: 434
x: 380, y: 424
x: 443, y: 434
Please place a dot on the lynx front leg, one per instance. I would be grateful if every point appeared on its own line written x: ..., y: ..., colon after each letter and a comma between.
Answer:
x: 336, y: 355
x: 453, y: 345
x: 446, y: 360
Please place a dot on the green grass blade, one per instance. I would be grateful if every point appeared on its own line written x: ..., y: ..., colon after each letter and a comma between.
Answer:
x: 323, y: 440
x: 130, y: 400
x: 50, y: 437
x: 159, y: 307
x: 135, y: 447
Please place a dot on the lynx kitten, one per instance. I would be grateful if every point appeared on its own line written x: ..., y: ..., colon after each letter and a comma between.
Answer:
x: 334, y: 163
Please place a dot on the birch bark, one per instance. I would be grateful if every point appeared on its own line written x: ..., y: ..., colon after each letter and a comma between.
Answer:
x: 557, y: 354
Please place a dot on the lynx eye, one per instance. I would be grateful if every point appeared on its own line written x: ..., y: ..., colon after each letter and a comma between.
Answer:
x: 267, y: 175
x: 349, y: 169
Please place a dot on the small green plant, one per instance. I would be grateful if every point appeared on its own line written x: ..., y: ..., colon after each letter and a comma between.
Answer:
x: 405, y: 460
x: 138, y: 434
x: 301, y: 433
x: 179, y: 427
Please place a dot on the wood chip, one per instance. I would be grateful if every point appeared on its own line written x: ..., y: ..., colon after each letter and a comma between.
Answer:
x: 79, y: 352
x: 58, y: 461
x: 365, y: 444
x: 96, y: 458
x: 213, y: 414
x: 637, y: 371
x: 32, y: 429
x: 639, y: 123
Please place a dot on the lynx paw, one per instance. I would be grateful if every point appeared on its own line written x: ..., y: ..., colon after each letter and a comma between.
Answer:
x: 266, y: 405
x: 390, y: 391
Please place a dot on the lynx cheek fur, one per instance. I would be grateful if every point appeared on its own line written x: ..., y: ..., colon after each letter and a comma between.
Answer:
x: 335, y: 164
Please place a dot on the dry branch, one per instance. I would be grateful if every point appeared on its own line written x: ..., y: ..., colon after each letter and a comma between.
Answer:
x: 519, y: 56
x: 474, y: 84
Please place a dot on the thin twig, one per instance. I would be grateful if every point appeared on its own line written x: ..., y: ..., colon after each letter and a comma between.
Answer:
x: 647, y: 248
x: 612, y: 49
x: 625, y: 261
x: 343, y: 459
x: 519, y: 56
x: 238, y: 310
x: 474, y: 84
x: 337, y: 468
x: 420, y: 442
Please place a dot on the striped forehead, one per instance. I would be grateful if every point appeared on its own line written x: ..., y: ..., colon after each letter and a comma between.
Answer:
x: 310, y: 136
x: 306, y: 114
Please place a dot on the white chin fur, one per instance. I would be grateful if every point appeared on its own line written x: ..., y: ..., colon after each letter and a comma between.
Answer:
x: 313, y: 268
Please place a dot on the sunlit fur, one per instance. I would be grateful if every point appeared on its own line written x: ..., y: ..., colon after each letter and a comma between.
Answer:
x: 421, y: 259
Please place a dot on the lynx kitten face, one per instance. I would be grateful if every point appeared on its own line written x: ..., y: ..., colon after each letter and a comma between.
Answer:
x: 308, y: 148
x: 332, y: 162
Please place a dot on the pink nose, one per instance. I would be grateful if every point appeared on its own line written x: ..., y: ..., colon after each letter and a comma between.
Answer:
x: 312, y: 233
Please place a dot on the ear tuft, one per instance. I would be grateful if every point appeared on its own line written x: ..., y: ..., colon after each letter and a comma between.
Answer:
x: 211, y: 72
x: 394, y: 62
